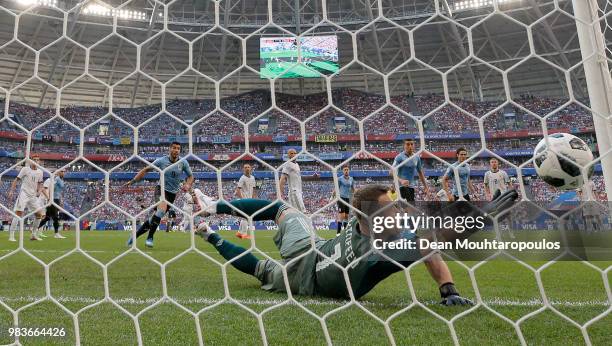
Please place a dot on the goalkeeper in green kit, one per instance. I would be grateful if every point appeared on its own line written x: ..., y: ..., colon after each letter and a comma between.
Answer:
x: 311, y: 273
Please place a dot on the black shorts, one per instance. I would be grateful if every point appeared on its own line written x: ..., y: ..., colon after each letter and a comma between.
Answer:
x: 52, y: 211
x: 344, y: 208
x: 171, y: 213
x: 169, y: 196
x: 407, y: 193
x: 467, y: 197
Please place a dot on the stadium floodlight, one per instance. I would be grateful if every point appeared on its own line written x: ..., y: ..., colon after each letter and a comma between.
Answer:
x: 48, y: 3
x: 467, y: 4
x: 97, y: 9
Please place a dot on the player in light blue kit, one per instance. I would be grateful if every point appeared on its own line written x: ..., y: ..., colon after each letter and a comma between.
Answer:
x: 464, y: 178
x: 346, y: 186
x: 409, y: 167
x: 173, y: 177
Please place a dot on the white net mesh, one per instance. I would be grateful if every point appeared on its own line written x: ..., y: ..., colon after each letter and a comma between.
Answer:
x: 100, y: 88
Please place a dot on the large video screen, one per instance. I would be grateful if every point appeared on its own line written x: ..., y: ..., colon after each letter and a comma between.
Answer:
x: 278, y: 56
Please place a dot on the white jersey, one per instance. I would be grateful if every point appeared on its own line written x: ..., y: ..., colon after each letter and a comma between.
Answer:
x: 496, y: 181
x: 247, y: 186
x: 294, y: 177
x: 587, y: 191
x: 587, y: 195
x: 187, y: 203
x: 442, y: 196
x: 30, y: 178
x: 205, y: 201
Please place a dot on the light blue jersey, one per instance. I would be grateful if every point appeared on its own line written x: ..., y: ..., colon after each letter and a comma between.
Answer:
x: 58, y: 188
x: 173, y: 176
x: 410, y: 169
x: 346, y: 186
x: 464, y: 176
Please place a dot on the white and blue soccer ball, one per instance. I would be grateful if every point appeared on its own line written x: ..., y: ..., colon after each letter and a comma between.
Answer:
x: 563, y: 171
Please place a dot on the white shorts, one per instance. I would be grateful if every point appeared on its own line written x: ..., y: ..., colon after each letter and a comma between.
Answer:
x: 26, y: 202
x: 297, y: 201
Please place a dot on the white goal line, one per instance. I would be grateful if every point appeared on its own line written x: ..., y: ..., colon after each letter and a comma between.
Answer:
x: 496, y: 301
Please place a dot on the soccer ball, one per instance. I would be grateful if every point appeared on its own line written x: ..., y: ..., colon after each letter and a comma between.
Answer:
x: 563, y: 171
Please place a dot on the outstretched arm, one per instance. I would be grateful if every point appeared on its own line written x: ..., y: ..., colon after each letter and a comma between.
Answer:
x: 138, y: 176
x: 188, y: 183
x: 439, y: 271
x: 281, y: 183
x: 435, y: 264
x: 13, y: 187
x: 314, y: 176
x: 486, y: 190
x: 446, y: 188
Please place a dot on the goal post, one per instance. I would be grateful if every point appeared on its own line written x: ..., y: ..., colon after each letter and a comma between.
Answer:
x: 597, y: 74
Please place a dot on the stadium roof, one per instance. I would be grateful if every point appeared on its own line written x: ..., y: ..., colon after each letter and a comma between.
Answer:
x: 383, y: 44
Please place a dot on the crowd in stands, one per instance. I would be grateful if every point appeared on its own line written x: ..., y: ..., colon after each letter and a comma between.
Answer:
x: 380, y: 120
x: 356, y: 103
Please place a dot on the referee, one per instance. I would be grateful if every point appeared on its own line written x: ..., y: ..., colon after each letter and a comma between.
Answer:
x: 409, y: 166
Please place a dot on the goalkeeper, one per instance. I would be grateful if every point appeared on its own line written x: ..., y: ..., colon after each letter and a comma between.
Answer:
x: 310, y: 273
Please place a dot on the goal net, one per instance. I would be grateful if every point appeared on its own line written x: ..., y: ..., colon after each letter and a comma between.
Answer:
x: 94, y: 92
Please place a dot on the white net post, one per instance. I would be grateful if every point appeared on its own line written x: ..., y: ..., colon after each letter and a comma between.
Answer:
x: 592, y: 48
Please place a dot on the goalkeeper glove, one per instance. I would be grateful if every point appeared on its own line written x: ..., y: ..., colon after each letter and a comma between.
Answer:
x: 450, y: 296
x: 500, y: 202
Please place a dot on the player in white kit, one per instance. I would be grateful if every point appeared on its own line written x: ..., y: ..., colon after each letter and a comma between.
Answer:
x: 43, y: 201
x: 31, y: 178
x: 495, y: 179
x: 192, y: 206
x: 187, y: 210
x: 590, y: 210
x: 189, y: 205
x: 291, y: 175
x: 245, y: 189
x: 442, y: 197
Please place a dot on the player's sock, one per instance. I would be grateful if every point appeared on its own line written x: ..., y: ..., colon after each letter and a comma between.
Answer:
x: 154, y: 222
x: 338, y: 227
x: 250, y: 206
x: 13, y: 228
x: 246, y: 263
x: 56, y: 225
x: 344, y: 223
x: 144, y: 228
x: 244, y: 227
x: 43, y: 221
x: 35, y: 231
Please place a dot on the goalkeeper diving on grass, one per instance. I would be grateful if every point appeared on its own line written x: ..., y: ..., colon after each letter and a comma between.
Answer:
x: 311, y: 273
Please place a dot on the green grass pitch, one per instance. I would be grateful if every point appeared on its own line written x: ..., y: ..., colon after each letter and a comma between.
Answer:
x: 135, y: 282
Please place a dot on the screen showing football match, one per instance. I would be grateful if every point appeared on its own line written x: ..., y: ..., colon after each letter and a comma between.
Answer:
x: 278, y: 57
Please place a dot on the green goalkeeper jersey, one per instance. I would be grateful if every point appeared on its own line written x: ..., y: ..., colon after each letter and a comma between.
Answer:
x: 327, y: 278
x: 320, y: 272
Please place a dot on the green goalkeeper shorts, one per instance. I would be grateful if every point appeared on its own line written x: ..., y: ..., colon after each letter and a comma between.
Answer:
x: 292, y: 240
